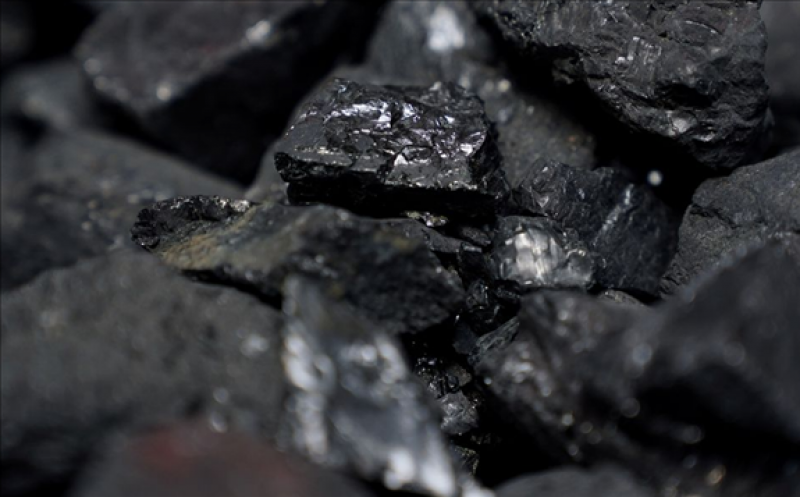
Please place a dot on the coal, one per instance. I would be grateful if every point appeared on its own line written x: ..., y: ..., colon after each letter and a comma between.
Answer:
x: 576, y: 482
x: 78, y: 194
x: 731, y: 213
x: 119, y: 343
x: 695, y: 395
x: 629, y: 230
x: 689, y: 75
x: 216, y: 82
x: 392, y: 149
x: 353, y: 402
x: 394, y: 280
x: 192, y: 459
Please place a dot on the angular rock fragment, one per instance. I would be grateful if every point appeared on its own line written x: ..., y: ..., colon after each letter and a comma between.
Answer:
x: 574, y: 482
x: 192, y: 459
x: 537, y: 252
x: 394, y: 149
x: 690, y: 74
x: 697, y: 395
x: 628, y: 229
x: 119, y: 343
x: 729, y: 214
x: 216, y: 81
x: 394, y: 280
x: 78, y: 195
x: 353, y: 402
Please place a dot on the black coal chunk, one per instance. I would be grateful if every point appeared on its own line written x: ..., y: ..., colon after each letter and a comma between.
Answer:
x: 395, y: 280
x: 193, y: 459
x: 353, y: 401
x: 697, y: 395
x: 689, y: 74
x: 78, y: 194
x: 629, y: 230
x: 119, y: 343
x: 728, y: 214
x: 608, y: 481
x: 393, y: 149
x: 216, y: 82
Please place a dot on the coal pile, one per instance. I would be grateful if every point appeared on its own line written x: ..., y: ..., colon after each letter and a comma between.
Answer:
x: 440, y: 248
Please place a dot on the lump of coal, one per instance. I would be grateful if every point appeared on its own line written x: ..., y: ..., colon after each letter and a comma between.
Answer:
x: 353, y: 402
x: 215, y: 81
x: 697, y: 395
x: 192, y: 459
x: 538, y: 252
x: 394, y: 280
x: 728, y: 214
x: 690, y: 74
x: 78, y: 195
x: 630, y: 231
x: 120, y: 342
x: 393, y: 149
x: 607, y: 481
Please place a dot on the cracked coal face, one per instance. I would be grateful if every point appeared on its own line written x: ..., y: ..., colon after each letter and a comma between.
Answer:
x: 435, y: 248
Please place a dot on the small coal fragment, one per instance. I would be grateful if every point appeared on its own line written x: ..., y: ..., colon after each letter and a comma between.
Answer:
x: 52, y: 94
x: 120, y: 342
x: 79, y: 193
x: 215, y: 82
x: 353, y: 402
x: 728, y: 214
x: 607, y: 481
x: 630, y: 231
x: 539, y: 253
x: 193, y: 460
x: 619, y: 297
x: 690, y: 74
x: 394, y: 280
x: 394, y: 149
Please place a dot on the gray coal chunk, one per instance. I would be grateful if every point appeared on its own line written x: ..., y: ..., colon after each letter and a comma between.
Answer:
x: 52, y: 94
x: 193, y: 459
x: 79, y: 192
x: 631, y: 232
x: 731, y: 213
x: 353, y: 402
x: 607, y: 481
x: 395, y: 280
x: 394, y: 149
x: 689, y: 74
x: 539, y: 253
x: 696, y: 395
x: 120, y: 343
x: 215, y: 82
x: 423, y: 42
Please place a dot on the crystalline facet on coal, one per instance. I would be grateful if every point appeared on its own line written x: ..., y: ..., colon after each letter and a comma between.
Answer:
x: 395, y: 280
x: 353, y: 402
x: 690, y: 74
x: 537, y: 252
x: 394, y: 149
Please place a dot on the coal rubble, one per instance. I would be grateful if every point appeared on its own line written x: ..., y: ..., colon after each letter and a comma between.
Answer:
x: 440, y: 248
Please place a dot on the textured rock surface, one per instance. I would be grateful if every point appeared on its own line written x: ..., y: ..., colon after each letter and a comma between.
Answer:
x: 191, y: 459
x: 215, y: 81
x: 353, y: 402
x: 697, y: 395
x: 688, y: 73
x: 79, y: 195
x: 394, y: 149
x: 574, y: 482
x: 628, y: 229
x: 121, y: 342
x: 728, y: 214
x: 394, y: 280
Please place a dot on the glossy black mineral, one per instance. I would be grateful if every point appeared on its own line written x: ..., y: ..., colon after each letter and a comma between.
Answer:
x: 690, y: 74
x: 391, y: 149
